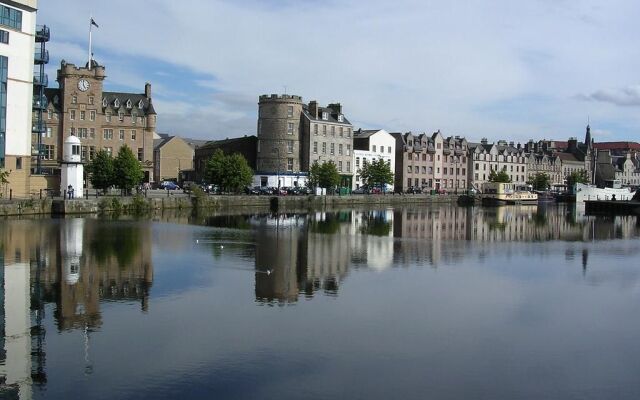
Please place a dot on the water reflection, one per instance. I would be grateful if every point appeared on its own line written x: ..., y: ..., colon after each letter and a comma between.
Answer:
x: 48, y: 262
x: 301, y: 254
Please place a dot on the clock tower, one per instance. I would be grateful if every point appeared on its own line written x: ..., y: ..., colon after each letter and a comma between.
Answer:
x: 80, y: 90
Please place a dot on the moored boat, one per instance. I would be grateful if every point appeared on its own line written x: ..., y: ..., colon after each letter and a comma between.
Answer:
x: 613, y: 190
x: 497, y: 193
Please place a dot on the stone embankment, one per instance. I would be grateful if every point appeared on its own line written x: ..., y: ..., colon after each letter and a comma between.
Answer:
x: 218, y: 203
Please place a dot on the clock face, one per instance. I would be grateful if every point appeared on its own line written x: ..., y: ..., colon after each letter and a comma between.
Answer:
x: 83, y: 84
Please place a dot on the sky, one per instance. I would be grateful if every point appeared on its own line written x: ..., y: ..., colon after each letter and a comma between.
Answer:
x: 500, y: 69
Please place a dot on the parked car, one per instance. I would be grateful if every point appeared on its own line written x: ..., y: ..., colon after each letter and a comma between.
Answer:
x: 252, y: 190
x: 414, y: 190
x: 169, y: 185
x: 265, y: 190
x: 360, y: 190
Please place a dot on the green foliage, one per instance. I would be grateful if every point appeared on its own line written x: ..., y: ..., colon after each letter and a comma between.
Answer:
x: 579, y: 176
x: 324, y: 175
x: 539, y: 181
x: 116, y: 205
x: 501, y: 176
x: 4, y: 176
x: 101, y: 170
x: 230, y: 172
x: 139, y: 205
x: 127, y: 169
x: 375, y: 225
x: 376, y: 173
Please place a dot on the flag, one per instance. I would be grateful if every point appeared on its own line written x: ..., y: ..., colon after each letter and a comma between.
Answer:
x: 94, y: 23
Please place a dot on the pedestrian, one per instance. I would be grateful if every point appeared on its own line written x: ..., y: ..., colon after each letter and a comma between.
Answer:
x: 70, y: 191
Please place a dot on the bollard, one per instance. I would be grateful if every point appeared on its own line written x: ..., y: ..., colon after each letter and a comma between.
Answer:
x: 64, y: 194
x: 86, y: 194
x: 40, y: 194
x: 10, y: 194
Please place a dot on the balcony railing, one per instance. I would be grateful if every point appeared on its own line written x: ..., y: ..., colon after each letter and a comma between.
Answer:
x: 38, y: 81
x: 41, y: 56
x: 40, y: 103
x: 42, y: 33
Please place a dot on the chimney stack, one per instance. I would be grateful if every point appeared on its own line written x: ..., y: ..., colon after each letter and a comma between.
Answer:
x: 147, y: 90
x: 313, y: 109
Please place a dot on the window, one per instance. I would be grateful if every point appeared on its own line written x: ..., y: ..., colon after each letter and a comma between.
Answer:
x: 289, y: 111
x: 477, y: 166
x: 83, y: 154
x: 72, y: 131
x: 134, y: 116
x: 424, y: 169
x: 107, y: 134
x: 104, y: 102
x: 348, y: 132
x: 430, y: 170
x: 373, y: 148
x: 417, y: 169
x: 348, y: 166
x: 121, y: 134
x: 11, y: 17
x: 133, y: 134
x: 357, y: 162
x: 72, y: 115
x: 4, y: 36
x: 74, y: 99
x: 333, y: 148
x: 290, y: 164
x: 91, y: 100
x: 92, y: 115
x: 325, y: 115
x: 116, y: 103
x: 107, y: 116
x: 82, y: 115
x: 340, y: 117
x: 315, y: 147
x: 348, y: 149
x: 340, y: 149
x: 18, y: 162
x: 121, y: 116
x: 315, y: 129
x: 333, y: 130
x: 49, y: 114
x: 409, y: 170
x: 439, y: 145
x: 289, y: 146
x: 82, y: 133
x: 324, y: 130
x: 340, y: 131
x: 129, y: 105
x: 49, y: 152
x: 140, y: 104
x: 290, y: 128
x: 140, y: 153
x: 48, y: 133
x: 92, y: 152
x: 75, y: 150
x: 92, y: 133
x: 324, y: 148
x: 339, y: 166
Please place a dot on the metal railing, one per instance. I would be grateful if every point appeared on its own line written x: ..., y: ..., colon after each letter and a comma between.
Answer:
x: 42, y: 33
x: 41, y: 56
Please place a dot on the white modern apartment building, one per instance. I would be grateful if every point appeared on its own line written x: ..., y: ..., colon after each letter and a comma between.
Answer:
x: 17, y: 56
x: 370, y: 145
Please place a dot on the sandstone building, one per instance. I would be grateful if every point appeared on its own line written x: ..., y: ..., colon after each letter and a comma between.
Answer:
x: 100, y: 119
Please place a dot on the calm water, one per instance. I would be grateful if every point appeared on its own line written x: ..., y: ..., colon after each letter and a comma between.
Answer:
x: 407, y: 303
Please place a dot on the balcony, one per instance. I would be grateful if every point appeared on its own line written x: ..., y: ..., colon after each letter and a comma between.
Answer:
x: 40, y: 81
x: 41, y: 56
x: 40, y: 103
x: 42, y: 33
x: 39, y: 127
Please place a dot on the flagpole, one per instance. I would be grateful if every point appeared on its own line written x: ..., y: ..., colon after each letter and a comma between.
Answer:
x: 90, y: 57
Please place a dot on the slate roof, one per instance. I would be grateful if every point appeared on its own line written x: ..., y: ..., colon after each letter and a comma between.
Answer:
x: 110, y: 97
x: 617, y: 145
x: 331, y: 114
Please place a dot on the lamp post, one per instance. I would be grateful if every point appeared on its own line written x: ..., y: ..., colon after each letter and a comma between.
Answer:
x: 277, y: 150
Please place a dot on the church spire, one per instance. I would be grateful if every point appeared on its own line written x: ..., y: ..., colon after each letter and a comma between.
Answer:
x: 587, y: 138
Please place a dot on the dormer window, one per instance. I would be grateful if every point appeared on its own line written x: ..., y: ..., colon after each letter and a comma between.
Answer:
x: 140, y: 104
x: 104, y: 102
x: 325, y: 115
x: 116, y: 103
x: 129, y: 105
x: 340, y: 118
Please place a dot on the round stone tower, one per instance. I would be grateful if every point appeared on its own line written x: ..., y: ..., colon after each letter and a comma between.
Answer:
x: 279, y: 134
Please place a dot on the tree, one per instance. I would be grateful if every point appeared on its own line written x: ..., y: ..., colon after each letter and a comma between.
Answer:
x: 579, y: 176
x: 314, y: 176
x: 539, y: 181
x: 127, y: 170
x: 329, y: 176
x: 230, y: 172
x: 101, y: 170
x: 501, y: 176
x: 238, y: 174
x: 376, y: 173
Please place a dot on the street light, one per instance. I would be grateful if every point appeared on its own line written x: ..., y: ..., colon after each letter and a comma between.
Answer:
x: 277, y: 150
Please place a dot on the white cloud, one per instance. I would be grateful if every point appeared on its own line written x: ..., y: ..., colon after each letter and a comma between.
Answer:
x: 403, y: 65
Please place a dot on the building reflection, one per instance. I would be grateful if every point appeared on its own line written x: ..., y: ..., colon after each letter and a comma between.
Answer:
x: 73, y: 264
x: 302, y: 254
